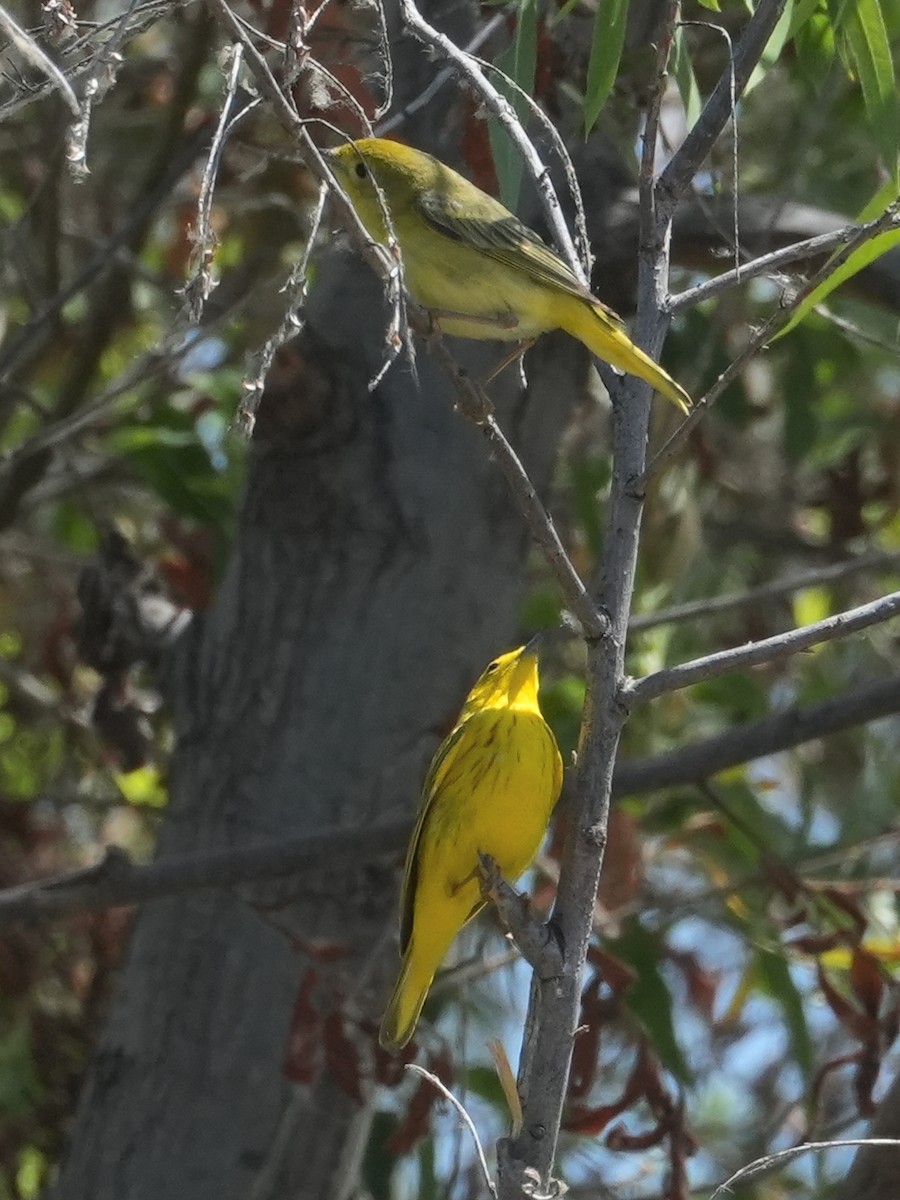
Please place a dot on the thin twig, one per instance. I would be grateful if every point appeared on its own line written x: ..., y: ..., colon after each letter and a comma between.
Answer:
x: 739, y: 658
x: 506, y: 115
x: 732, y: 116
x: 387, y: 268
x: 768, y: 1162
x: 104, y: 72
x: 203, y: 239
x: 581, y: 230
x: 766, y: 264
x: 717, y: 111
x: 463, y: 1116
x: 33, y: 54
x: 776, y: 322
x: 296, y: 287
x: 443, y: 77
x: 475, y: 405
x: 716, y: 605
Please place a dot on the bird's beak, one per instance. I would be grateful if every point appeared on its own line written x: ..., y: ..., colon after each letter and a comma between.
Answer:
x: 532, y: 649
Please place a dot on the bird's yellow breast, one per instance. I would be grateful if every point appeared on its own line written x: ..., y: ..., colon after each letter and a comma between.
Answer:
x: 496, y: 801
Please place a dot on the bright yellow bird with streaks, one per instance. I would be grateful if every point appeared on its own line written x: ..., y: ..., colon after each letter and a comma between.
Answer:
x: 475, y: 266
x: 490, y: 789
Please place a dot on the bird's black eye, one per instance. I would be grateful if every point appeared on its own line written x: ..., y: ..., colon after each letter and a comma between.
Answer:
x: 492, y: 667
x: 361, y: 171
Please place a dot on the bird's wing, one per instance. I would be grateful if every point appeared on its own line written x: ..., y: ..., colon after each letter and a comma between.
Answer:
x: 503, y: 237
x: 442, y: 759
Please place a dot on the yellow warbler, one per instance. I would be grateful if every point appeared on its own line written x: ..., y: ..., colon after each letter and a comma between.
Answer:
x: 476, y: 267
x: 490, y: 789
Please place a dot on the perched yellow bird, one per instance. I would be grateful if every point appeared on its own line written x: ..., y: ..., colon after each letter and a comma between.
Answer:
x: 476, y: 267
x: 490, y: 790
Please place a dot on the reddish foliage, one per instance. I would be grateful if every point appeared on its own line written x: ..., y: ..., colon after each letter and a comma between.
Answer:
x: 390, y: 1064
x: 617, y: 976
x: 341, y: 1054
x: 867, y: 981
x: 476, y: 147
x: 302, y: 1056
x: 875, y: 1031
x: 623, y: 864
x: 701, y: 983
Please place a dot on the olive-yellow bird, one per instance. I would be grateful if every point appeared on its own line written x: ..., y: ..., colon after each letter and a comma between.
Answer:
x: 490, y: 789
x: 476, y: 267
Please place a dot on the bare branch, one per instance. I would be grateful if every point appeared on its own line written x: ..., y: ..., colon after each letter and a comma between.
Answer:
x: 716, y: 605
x: 889, y: 219
x: 204, y: 240
x: 32, y: 53
x: 116, y: 880
x: 718, y: 109
x: 768, y: 1162
x: 441, y: 78
x: 476, y: 406
x: 766, y: 264
x: 783, y: 730
x: 738, y: 658
x: 533, y: 937
x: 375, y: 255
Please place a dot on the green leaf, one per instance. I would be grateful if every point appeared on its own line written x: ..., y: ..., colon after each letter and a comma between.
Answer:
x: 428, y: 1184
x: 483, y: 1081
x: 860, y: 258
x: 648, y: 997
x: 378, y: 1162
x: 685, y: 78
x: 802, y: 12
x: 814, y: 44
x: 518, y: 62
x: 143, y: 786
x: 712, y: 5
x: 606, y: 52
x: 870, y: 51
x: 775, y: 977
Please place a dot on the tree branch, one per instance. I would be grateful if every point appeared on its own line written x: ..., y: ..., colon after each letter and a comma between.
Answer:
x: 639, y: 691
x: 766, y: 264
x: 778, y: 320
x: 717, y: 111
x: 477, y: 408
x: 782, y: 731
x: 117, y: 881
x: 533, y: 937
x: 716, y: 605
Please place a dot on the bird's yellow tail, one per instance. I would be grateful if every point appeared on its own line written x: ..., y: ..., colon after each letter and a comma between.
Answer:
x: 404, y: 1007
x: 604, y: 335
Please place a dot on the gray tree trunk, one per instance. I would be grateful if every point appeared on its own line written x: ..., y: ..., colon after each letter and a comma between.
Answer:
x: 378, y: 565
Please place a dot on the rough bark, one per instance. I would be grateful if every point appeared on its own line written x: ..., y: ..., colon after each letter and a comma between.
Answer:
x: 379, y: 562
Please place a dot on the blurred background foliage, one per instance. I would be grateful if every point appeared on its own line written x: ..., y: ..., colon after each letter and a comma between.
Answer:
x: 724, y: 981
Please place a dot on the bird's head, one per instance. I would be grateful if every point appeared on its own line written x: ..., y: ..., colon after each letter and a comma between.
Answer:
x: 401, y: 173
x: 510, y: 680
